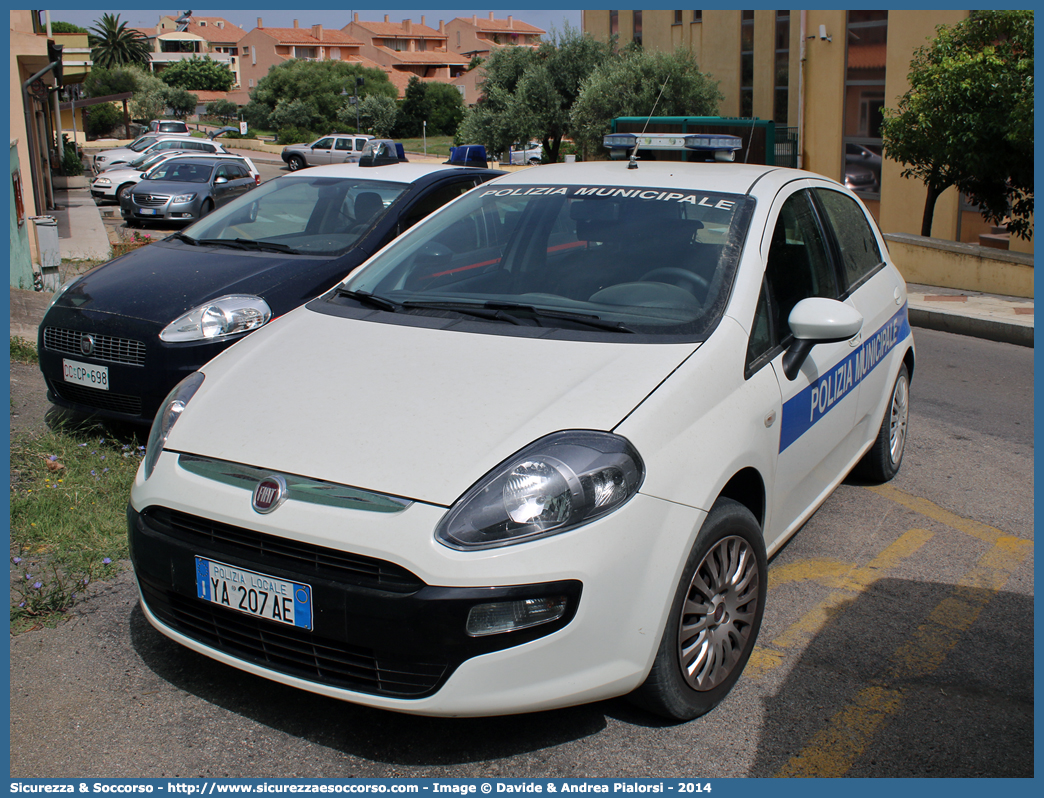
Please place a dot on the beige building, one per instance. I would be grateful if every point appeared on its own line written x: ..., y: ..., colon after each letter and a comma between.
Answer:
x: 405, y: 50
x: 214, y: 36
x: 827, y: 74
x: 264, y: 48
x: 36, y: 123
x: 477, y: 36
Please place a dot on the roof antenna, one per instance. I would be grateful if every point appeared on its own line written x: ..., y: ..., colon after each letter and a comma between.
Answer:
x: 633, y: 162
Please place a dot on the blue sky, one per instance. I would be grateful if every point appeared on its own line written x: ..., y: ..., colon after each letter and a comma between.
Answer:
x: 275, y: 16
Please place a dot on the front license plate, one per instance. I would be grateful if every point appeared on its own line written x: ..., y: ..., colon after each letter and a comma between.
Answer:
x: 86, y: 374
x: 254, y: 594
x: 149, y: 212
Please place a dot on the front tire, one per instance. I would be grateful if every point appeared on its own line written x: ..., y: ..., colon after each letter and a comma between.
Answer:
x: 885, y: 457
x: 714, y: 618
x: 295, y: 163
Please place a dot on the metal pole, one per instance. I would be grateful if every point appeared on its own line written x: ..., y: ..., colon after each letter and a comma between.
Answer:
x: 425, y: 136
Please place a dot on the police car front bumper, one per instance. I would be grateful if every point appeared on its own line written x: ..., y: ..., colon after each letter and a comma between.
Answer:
x: 617, y: 581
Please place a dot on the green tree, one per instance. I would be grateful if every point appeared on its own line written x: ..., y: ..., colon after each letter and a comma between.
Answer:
x: 198, y: 74
x: 57, y: 26
x: 182, y: 102
x: 225, y: 110
x: 150, y: 97
x: 438, y: 104
x: 530, y: 93
x: 294, y: 113
x: 319, y: 83
x: 114, y: 44
x: 967, y: 119
x: 640, y: 83
x: 103, y: 82
x: 377, y: 114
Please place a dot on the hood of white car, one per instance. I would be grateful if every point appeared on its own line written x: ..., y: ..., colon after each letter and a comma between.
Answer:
x: 409, y: 411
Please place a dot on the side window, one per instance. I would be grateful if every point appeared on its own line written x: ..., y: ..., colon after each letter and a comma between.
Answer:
x: 343, y: 144
x: 360, y: 144
x: 860, y: 255
x: 798, y: 266
x: 435, y: 200
x: 761, y: 331
x: 323, y: 144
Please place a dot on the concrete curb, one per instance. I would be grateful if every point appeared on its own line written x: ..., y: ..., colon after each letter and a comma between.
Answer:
x: 988, y: 329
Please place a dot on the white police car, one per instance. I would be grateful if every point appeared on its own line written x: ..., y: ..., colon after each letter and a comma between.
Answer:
x: 536, y: 451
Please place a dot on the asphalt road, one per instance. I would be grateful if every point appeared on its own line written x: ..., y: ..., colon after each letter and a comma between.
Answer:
x: 897, y: 642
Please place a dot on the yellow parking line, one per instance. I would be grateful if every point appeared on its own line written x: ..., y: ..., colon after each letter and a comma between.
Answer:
x: 833, y: 750
x: 976, y: 529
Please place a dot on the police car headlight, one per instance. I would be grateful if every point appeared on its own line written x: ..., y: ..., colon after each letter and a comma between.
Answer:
x: 169, y: 413
x: 556, y: 484
x: 219, y: 318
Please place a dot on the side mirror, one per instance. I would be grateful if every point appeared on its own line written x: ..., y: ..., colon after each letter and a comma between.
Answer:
x: 818, y: 320
x: 219, y: 180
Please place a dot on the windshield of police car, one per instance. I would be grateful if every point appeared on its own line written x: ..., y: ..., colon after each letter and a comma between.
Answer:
x: 649, y: 260
x: 306, y: 214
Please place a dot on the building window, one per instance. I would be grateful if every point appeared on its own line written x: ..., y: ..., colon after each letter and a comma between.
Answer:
x: 697, y: 16
x: 782, y: 72
x: 614, y: 23
x: 866, y: 45
x: 637, y: 35
x: 747, y: 64
x: 677, y: 17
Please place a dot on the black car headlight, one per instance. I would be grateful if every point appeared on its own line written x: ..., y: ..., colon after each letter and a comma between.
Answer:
x: 557, y: 483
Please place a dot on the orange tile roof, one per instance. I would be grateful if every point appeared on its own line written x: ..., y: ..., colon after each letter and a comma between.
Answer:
x: 424, y: 57
x: 502, y: 25
x: 304, y: 36
x: 396, y: 30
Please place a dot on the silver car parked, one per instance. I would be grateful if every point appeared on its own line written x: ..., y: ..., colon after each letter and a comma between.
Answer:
x: 186, y: 189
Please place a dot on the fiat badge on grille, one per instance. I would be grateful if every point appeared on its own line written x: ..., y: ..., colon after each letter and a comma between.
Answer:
x: 269, y: 494
x: 87, y: 344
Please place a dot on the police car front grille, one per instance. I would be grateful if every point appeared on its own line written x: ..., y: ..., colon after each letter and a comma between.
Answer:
x: 292, y: 651
x: 92, y: 397
x: 106, y: 347
x: 303, y: 559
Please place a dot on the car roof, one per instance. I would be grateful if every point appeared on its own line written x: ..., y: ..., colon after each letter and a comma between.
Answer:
x: 403, y: 172
x: 729, y: 178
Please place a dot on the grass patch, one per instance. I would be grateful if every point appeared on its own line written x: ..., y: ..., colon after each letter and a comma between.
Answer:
x: 23, y: 351
x: 437, y: 145
x: 69, y: 490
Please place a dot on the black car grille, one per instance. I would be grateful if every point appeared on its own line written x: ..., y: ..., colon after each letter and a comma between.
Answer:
x: 292, y: 651
x: 106, y: 347
x: 301, y: 558
x: 150, y: 200
x: 92, y: 397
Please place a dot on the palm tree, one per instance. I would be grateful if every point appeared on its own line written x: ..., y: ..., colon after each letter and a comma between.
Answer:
x: 114, y: 44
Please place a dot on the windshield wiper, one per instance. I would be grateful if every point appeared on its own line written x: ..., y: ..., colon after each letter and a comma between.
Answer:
x: 467, y: 308
x: 568, y: 315
x: 496, y: 312
x: 247, y: 243
x: 366, y: 298
x: 185, y: 238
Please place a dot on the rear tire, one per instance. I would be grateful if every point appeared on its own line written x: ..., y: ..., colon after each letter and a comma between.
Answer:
x: 885, y: 457
x: 714, y: 618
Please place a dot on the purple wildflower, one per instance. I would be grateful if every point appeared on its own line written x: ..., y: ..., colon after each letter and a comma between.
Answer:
x: 106, y: 561
x: 16, y: 560
x: 37, y: 585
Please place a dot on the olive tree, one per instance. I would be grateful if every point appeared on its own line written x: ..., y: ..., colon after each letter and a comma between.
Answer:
x: 967, y: 119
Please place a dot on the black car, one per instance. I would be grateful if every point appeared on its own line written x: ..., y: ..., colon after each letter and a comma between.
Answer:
x: 115, y: 341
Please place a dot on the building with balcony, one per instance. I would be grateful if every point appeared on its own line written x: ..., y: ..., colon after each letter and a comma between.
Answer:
x: 476, y: 36
x: 215, y: 36
x: 263, y: 48
x: 406, y: 49
x: 829, y: 75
